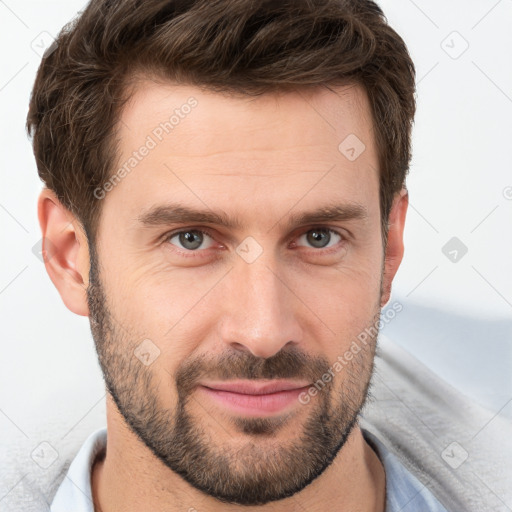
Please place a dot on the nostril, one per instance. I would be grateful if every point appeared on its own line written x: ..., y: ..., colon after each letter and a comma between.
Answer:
x: 239, y: 346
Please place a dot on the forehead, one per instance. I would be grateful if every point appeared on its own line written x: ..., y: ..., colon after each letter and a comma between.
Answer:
x: 245, y: 152
x: 321, y: 115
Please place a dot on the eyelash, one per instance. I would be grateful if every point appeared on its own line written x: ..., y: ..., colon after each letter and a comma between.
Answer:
x: 192, y: 254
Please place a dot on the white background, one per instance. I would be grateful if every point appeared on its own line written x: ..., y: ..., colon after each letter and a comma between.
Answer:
x: 457, y: 317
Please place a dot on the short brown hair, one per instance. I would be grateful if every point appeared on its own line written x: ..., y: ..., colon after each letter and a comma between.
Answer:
x: 237, y: 46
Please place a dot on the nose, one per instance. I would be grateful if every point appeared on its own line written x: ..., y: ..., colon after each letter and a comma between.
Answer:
x: 260, y: 311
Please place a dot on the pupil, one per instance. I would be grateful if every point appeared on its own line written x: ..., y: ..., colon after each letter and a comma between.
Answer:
x: 191, y: 239
x: 318, y: 238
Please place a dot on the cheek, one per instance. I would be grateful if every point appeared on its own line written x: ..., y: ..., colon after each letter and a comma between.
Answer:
x: 166, y: 306
x: 146, y: 293
x: 346, y: 301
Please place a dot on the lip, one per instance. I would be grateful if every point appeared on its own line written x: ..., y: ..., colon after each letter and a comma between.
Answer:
x: 254, y: 398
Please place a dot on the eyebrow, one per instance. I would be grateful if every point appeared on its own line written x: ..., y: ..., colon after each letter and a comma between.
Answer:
x: 165, y: 214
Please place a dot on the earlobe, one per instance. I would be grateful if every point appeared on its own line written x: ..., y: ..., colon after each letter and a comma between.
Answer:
x: 65, y: 251
x: 395, y: 243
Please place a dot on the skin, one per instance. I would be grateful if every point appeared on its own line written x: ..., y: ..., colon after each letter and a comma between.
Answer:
x: 259, y: 160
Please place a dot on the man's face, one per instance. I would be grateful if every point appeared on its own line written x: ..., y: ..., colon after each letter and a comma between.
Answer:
x: 181, y: 307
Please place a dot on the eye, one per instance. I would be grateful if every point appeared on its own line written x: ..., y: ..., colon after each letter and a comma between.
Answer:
x: 190, y: 239
x: 321, y: 238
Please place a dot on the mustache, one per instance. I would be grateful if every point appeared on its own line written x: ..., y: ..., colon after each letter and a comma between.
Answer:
x: 287, y: 364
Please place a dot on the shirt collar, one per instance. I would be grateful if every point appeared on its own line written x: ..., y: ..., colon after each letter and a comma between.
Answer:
x: 402, y: 487
x: 75, y: 490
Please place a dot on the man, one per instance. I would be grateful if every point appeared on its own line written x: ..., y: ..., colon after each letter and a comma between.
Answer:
x: 225, y: 199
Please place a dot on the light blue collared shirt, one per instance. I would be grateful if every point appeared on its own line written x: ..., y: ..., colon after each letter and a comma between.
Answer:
x: 404, y: 492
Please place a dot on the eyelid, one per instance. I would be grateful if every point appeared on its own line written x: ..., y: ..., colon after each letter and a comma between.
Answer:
x: 185, y: 252
x: 323, y: 250
x: 208, y: 232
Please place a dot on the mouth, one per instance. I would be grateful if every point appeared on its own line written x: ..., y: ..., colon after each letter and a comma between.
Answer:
x: 254, y: 398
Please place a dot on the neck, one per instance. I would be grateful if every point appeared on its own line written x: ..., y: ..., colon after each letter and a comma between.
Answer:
x: 131, y: 478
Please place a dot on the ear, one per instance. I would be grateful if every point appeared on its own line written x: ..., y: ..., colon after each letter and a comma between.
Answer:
x: 395, y: 242
x: 65, y: 251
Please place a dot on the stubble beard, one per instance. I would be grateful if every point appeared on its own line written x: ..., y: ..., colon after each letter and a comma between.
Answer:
x: 258, y: 470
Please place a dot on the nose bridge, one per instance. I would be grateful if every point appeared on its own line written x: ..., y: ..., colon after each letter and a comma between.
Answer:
x: 260, y: 312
